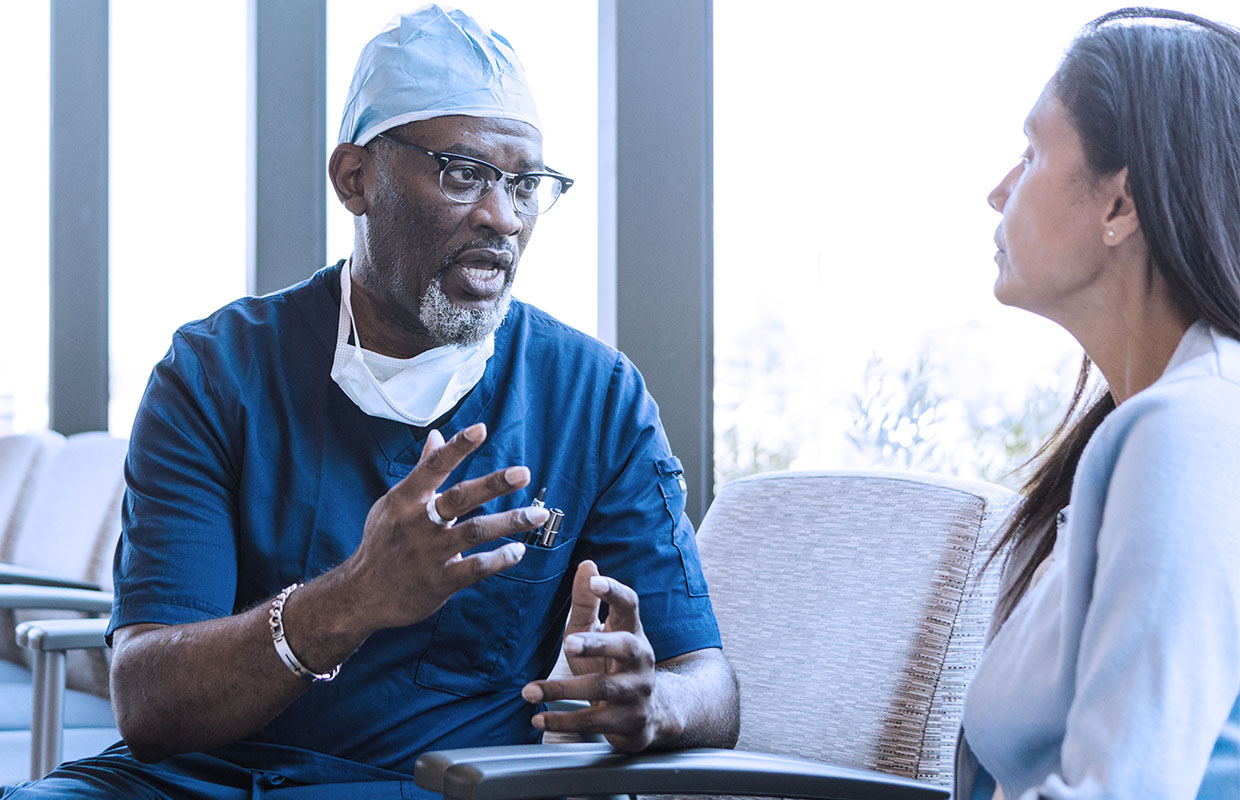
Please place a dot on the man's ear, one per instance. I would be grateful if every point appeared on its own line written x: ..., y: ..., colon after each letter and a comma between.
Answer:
x: 347, y: 169
x: 1120, y: 220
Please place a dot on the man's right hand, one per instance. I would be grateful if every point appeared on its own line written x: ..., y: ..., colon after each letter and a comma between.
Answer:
x: 180, y: 688
x: 407, y: 566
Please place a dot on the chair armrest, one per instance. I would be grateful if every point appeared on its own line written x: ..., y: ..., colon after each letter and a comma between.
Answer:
x: 17, y: 595
x: 15, y: 573
x: 49, y: 639
x: 533, y: 771
x: 48, y: 635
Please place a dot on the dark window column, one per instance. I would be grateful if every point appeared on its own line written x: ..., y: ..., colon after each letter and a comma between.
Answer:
x: 656, y: 234
x: 286, y: 231
x: 78, y: 166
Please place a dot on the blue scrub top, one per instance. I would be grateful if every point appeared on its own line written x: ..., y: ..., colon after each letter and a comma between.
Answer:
x: 249, y: 469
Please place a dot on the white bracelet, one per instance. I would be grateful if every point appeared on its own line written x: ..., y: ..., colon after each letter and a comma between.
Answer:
x: 276, y: 620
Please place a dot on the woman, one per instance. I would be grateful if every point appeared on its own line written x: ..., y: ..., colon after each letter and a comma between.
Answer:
x: 1115, y: 668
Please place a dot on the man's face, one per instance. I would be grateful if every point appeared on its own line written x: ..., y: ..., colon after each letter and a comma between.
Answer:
x: 438, y: 270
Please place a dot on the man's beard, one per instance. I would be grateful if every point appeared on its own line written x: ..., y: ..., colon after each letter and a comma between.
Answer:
x: 448, y: 323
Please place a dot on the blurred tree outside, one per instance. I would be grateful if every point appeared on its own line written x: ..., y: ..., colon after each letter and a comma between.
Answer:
x: 939, y: 411
x: 915, y: 418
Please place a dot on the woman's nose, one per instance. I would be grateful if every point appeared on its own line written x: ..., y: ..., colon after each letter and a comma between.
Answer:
x: 998, y: 196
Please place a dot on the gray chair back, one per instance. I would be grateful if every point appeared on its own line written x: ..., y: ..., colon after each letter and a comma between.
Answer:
x: 854, y: 611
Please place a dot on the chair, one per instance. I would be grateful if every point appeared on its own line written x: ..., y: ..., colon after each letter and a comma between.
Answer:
x: 59, y: 521
x: 853, y: 609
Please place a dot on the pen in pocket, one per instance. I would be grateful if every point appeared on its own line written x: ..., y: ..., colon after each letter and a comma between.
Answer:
x: 545, y: 536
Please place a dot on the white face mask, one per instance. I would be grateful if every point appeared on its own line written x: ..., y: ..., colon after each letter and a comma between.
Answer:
x: 416, y: 390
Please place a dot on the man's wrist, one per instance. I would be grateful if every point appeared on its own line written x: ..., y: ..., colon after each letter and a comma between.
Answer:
x: 275, y: 620
x: 669, y: 727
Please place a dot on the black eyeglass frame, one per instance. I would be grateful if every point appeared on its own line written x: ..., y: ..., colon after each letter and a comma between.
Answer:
x: 509, y: 179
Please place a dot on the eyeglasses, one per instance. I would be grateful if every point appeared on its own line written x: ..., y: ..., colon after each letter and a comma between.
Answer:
x: 467, y: 180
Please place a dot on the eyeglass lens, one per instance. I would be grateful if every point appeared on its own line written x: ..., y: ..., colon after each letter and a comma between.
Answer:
x: 466, y: 182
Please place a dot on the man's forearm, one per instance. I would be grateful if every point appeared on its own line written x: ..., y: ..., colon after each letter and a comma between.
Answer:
x: 180, y: 688
x: 699, y: 701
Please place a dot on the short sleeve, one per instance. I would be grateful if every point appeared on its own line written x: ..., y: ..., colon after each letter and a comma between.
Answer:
x: 176, y: 561
x: 637, y: 531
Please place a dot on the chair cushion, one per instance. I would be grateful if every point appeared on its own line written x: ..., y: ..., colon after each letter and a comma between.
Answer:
x: 851, y: 608
x: 81, y: 710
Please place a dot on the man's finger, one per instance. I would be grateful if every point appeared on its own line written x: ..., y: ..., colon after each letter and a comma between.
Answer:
x: 584, y: 611
x: 614, y: 687
x: 605, y: 719
x: 621, y: 603
x: 465, y: 496
x: 434, y: 441
x: 630, y: 649
x: 469, y: 533
x: 480, y: 566
x: 433, y: 468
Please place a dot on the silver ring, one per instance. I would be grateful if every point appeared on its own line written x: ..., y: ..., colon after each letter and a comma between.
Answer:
x: 433, y: 512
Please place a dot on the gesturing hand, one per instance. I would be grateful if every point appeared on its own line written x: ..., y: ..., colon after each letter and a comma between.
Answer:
x: 613, y: 668
x: 408, y: 565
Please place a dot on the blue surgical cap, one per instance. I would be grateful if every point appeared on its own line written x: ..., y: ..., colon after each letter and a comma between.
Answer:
x: 434, y: 63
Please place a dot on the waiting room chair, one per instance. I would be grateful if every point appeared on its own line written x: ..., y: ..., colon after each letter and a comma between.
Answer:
x: 854, y: 610
x: 59, y: 522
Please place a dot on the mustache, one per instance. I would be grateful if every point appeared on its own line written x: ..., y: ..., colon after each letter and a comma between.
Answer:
x: 483, y: 243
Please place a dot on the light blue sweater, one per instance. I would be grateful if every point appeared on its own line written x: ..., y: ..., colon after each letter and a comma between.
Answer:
x: 1118, y: 674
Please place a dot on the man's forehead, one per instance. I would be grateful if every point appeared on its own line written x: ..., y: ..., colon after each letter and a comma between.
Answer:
x: 479, y: 137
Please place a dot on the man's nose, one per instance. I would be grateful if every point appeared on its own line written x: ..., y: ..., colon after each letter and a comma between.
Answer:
x: 498, y: 211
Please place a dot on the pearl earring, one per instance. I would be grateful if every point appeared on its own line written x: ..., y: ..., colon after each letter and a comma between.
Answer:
x: 1111, y: 234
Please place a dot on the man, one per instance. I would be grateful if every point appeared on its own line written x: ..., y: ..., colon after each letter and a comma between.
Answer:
x: 313, y: 585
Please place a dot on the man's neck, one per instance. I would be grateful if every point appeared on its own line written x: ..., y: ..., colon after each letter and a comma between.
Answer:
x: 379, y: 332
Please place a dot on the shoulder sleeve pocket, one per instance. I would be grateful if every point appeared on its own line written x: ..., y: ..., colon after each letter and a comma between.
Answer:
x: 673, y: 488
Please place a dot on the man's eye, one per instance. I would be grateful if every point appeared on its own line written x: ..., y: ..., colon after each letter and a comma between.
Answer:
x: 463, y: 173
x: 528, y: 184
x: 1027, y: 156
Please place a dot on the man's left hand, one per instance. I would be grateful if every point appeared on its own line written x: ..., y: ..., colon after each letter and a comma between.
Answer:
x: 613, y: 667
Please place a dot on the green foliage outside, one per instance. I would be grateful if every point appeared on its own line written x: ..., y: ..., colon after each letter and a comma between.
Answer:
x: 909, y: 419
x: 941, y: 413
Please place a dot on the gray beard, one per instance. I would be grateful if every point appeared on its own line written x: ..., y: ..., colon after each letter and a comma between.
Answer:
x: 448, y: 323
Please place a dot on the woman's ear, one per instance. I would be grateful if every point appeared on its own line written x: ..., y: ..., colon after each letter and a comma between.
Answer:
x: 347, y: 169
x: 1120, y: 220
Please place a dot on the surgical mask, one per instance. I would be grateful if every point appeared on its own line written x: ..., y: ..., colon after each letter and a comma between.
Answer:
x: 416, y: 390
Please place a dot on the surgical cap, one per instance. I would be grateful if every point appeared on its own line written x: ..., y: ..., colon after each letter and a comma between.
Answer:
x: 434, y: 63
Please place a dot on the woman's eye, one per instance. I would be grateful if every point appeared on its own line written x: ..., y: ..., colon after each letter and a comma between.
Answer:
x: 1027, y: 156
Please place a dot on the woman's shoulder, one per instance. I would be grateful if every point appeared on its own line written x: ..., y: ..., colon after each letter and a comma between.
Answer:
x: 1198, y: 391
x: 1187, y: 423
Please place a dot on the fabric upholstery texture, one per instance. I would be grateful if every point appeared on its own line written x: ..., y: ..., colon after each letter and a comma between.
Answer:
x: 24, y: 457
x: 854, y: 610
x: 64, y: 520
x: 59, y: 514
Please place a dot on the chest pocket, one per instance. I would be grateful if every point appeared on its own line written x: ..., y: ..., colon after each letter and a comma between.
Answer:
x: 486, y: 635
x: 673, y: 488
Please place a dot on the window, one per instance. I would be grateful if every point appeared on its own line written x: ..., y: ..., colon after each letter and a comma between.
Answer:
x: 177, y: 206
x: 854, y: 150
x: 24, y: 40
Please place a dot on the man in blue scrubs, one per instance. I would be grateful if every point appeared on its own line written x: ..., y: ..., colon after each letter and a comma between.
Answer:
x: 326, y: 566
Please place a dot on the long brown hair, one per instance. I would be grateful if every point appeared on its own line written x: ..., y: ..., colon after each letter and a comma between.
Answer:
x: 1031, y: 529
x: 1164, y: 101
